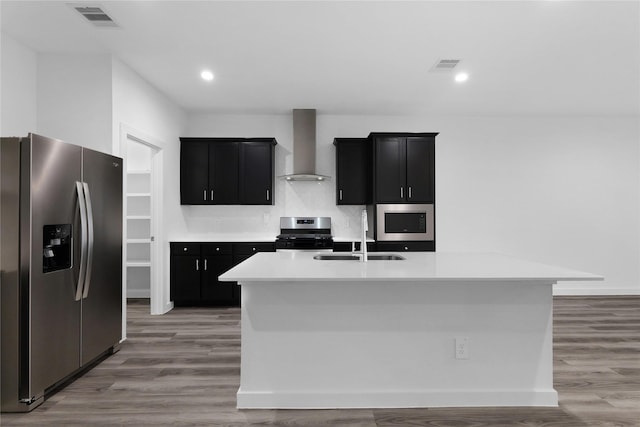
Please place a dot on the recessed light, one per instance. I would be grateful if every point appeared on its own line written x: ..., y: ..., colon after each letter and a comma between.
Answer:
x: 461, y: 77
x: 206, y: 75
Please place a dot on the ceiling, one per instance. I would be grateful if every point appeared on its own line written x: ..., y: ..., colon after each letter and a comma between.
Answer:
x: 360, y: 57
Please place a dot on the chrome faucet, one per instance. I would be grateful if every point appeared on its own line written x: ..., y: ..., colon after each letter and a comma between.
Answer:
x: 363, y: 239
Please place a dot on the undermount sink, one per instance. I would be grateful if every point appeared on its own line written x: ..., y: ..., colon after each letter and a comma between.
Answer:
x: 349, y: 257
x: 376, y: 257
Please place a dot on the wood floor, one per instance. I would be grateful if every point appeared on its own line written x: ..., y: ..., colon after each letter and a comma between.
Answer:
x: 183, y: 369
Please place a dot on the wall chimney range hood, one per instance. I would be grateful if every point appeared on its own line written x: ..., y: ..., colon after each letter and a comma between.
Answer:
x: 304, y: 147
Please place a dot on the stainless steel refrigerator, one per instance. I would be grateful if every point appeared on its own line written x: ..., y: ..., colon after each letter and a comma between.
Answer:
x: 61, y: 265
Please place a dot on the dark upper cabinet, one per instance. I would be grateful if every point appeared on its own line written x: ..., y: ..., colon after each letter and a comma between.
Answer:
x: 390, y: 169
x: 353, y: 171
x: 223, y: 173
x: 420, y: 169
x: 404, y: 167
x: 226, y: 171
x: 194, y: 178
x: 256, y: 172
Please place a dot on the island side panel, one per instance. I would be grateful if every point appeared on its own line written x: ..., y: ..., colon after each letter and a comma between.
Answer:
x: 348, y: 344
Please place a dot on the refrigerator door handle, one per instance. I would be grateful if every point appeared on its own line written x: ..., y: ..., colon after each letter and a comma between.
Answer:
x: 87, y: 280
x: 83, y: 240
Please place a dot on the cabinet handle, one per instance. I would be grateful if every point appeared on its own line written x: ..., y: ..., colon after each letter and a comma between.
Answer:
x: 254, y: 249
x: 409, y: 191
x: 204, y: 195
x: 267, y: 195
x: 218, y: 249
x: 197, y: 265
x: 402, y: 192
x: 205, y: 265
x: 406, y: 248
x: 212, y: 195
x: 340, y: 194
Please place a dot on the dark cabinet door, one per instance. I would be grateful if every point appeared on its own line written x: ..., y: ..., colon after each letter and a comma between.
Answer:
x: 409, y: 246
x: 194, y: 173
x: 390, y: 170
x: 226, y: 171
x: 420, y: 170
x: 347, y: 246
x: 353, y: 171
x: 217, y: 258
x: 223, y: 173
x: 212, y: 290
x: 185, y: 277
x: 256, y: 173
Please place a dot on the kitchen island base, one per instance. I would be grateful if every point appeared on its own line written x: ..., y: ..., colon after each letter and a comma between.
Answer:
x: 392, y: 344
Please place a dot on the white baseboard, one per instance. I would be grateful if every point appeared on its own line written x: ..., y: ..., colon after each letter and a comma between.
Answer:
x: 593, y: 289
x: 138, y: 293
x: 331, y: 399
x: 167, y: 308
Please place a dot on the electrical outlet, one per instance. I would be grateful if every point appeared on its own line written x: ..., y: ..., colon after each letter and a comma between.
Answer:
x: 462, y: 347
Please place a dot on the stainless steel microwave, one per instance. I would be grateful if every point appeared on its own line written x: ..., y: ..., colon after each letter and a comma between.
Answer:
x: 405, y: 222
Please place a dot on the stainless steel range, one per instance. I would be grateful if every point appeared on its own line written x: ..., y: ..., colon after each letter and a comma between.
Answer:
x: 304, y: 233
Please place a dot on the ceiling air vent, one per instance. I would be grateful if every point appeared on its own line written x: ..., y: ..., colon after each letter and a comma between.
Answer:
x: 95, y: 15
x: 445, y: 65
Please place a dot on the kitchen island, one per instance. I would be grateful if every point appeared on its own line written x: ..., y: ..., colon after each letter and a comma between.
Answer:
x: 432, y: 330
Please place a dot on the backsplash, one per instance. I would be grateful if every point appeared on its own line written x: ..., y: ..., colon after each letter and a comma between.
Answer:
x: 291, y: 199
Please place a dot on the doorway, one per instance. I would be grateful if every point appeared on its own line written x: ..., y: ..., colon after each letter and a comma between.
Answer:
x: 142, y: 254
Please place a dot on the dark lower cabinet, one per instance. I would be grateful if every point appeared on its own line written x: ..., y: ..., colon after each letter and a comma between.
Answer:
x: 195, y: 267
x: 409, y: 246
x: 187, y: 274
x: 346, y: 246
x: 244, y: 250
x: 217, y: 258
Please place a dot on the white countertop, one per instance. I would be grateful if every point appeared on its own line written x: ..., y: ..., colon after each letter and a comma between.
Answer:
x: 239, y: 237
x: 350, y: 239
x: 222, y: 238
x: 418, y: 266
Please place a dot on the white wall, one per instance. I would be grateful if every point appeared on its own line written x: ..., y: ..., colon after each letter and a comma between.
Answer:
x: 18, y: 87
x: 559, y: 190
x: 74, y: 99
x: 143, y: 111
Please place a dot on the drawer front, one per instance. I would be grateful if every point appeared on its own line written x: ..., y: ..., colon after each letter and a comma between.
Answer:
x: 405, y: 246
x: 215, y: 248
x: 346, y: 246
x: 341, y: 246
x: 185, y: 248
x: 253, y: 247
